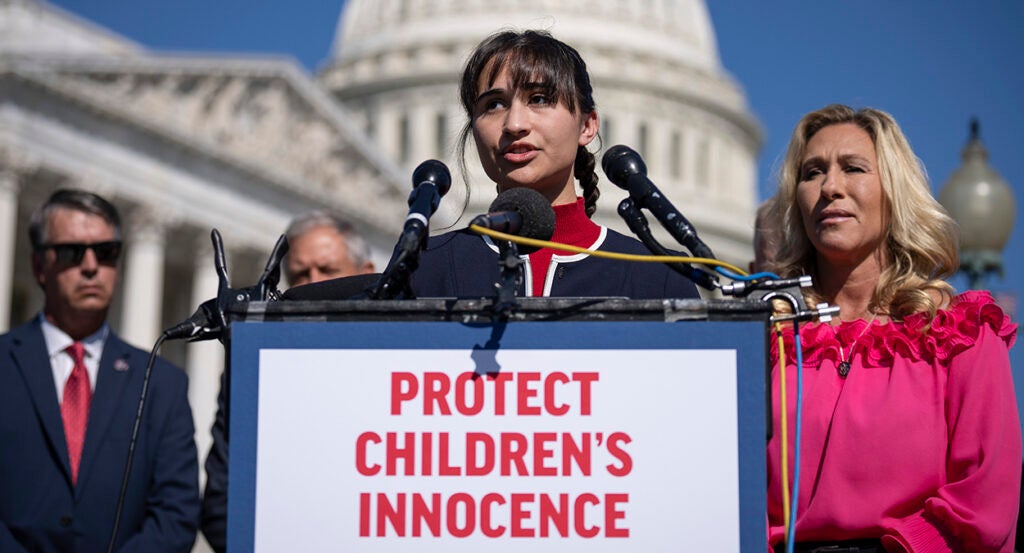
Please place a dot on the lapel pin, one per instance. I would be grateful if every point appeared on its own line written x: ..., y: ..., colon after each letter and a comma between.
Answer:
x: 120, y: 365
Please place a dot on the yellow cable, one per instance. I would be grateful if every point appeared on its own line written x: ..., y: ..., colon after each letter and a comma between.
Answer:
x: 609, y: 255
x: 784, y: 427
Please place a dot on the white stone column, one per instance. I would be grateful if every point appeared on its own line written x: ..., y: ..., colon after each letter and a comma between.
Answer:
x: 624, y: 127
x: 204, y: 360
x: 659, y: 144
x: 423, y: 131
x: 8, y: 228
x: 702, y: 162
x: 716, y: 166
x: 689, y: 134
x: 387, y: 128
x: 143, y: 275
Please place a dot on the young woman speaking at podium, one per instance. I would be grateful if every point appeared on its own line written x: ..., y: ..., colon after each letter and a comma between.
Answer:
x: 910, y: 438
x: 532, y: 115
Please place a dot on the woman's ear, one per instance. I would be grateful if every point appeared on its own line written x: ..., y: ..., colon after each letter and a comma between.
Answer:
x: 589, y: 129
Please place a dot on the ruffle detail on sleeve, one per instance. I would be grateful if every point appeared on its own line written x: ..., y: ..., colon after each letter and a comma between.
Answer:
x: 953, y: 330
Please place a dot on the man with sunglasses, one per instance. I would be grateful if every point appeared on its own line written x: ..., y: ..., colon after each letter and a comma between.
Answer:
x: 69, y: 393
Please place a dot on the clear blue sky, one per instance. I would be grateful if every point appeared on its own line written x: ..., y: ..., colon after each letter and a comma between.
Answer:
x: 933, y: 64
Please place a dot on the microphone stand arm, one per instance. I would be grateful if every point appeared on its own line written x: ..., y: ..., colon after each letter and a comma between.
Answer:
x: 670, y: 218
x: 509, y: 262
x: 216, y: 324
x: 788, y: 290
x: 265, y: 288
x: 785, y: 289
x: 207, y: 323
x: 637, y: 223
x: 394, y: 282
x: 431, y: 181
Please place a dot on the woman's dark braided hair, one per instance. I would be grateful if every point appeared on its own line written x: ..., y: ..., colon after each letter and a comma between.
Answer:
x: 534, y: 57
x: 584, y: 170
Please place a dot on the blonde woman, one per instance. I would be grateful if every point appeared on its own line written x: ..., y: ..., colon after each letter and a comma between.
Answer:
x: 911, y: 439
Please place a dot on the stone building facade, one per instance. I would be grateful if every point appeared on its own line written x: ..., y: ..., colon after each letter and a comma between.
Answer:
x: 185, y: 144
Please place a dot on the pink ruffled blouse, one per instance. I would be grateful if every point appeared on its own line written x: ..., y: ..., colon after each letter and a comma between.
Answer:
x: 919, y: 444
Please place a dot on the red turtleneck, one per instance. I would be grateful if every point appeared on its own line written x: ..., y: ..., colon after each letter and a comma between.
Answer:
x: 573, y: 227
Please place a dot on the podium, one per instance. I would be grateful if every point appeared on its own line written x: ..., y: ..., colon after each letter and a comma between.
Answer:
x: 576, y: 424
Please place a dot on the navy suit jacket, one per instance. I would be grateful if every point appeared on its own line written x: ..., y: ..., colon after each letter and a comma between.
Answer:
x: 40, y: 510
x: 463, y: 264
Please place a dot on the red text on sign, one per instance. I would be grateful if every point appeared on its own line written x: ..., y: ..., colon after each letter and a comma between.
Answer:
x: 518, y: 515
x: 520, y: 393
x: 482, y: 454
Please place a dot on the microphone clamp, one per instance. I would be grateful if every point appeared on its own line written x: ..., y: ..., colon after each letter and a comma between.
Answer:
x: 209, y: 320
x: 743, y: 288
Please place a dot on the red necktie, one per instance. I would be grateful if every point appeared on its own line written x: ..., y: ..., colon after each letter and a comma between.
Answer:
x: 74, y: 408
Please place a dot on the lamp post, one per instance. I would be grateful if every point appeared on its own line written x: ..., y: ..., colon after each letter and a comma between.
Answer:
x: 981, y: 203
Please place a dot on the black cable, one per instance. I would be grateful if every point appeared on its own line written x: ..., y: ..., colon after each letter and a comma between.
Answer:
x: 637, y: 223
x: 131, y: 444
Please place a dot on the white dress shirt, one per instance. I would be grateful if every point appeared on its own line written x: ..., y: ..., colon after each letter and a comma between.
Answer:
x: 57, y: 342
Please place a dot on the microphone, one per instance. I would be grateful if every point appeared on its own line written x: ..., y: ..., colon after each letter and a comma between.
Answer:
x: 430, y: 181
x: 626, y: 169
x: 200, y: 326
x: 525, y: 212
x: 508, y: 222
x: 209, y: 321
x: 637, y: 223
x: 521, y: 211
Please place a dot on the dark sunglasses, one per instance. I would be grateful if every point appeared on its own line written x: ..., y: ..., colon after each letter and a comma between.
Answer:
x: 72, y: 253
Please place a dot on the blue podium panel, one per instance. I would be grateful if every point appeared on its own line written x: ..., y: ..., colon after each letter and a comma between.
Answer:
x: 551, y: 436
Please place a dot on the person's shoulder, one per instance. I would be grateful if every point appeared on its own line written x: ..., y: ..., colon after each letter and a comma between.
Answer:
x: 449, y: 261
x: 20, y: 333
x: 653, y: 280
x: 975, y: 305
x: 961, y: 323
x: 941, y: 298
x: 454, y: 238
x: 455, y: 247
x: 616, y: 241
x: 162, y: 368
x: 23, y: 329
x: 13, y: 334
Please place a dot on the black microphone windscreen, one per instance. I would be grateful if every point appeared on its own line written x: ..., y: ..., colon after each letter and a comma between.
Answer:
x: 620, y: 162
x: 435, y: 172
x: 533, y: 207
x: 342, y: 288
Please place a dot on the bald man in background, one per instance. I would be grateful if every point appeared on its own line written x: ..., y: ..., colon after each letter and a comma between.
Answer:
x: 321, y: 246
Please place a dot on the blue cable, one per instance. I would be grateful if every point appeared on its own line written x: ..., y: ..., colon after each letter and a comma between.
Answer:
x: 733, y: 276
x: 791, y: 531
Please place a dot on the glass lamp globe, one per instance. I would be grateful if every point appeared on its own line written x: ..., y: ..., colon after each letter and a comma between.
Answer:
x: 982, y: 204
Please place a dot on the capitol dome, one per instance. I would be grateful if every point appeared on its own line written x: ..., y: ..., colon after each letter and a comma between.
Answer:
x: 658, y: 82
